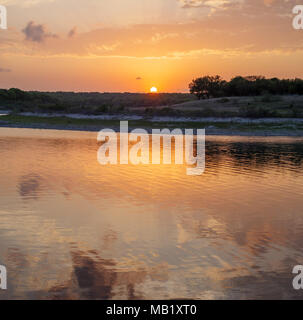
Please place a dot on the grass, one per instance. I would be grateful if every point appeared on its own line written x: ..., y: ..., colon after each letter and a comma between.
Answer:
x: 64, y: 121
x: 96, y: 124
x: 278, y: 106
x: 248, y: 107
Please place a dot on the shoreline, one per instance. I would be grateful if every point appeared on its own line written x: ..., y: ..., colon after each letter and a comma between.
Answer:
x: 168, y: 119
x: 280, y: 127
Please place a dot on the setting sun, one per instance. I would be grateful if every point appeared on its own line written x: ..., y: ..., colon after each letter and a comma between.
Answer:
x: 153, y: 90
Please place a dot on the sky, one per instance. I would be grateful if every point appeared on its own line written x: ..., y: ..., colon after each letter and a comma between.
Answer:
x: 132, y: 45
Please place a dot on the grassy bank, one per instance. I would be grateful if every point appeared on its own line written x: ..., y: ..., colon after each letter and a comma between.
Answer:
x: 173, y: 105
x: 233, y: 128
x: 265, y: 105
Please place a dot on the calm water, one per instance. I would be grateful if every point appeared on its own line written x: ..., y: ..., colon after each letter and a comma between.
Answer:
x: 71, y: 228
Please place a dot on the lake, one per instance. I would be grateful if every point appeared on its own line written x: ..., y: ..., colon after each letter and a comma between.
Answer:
x: 73, y: 229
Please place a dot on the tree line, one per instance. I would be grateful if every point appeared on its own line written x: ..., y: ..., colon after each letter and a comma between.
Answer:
x: 214, y: 86
x: 85, y: 102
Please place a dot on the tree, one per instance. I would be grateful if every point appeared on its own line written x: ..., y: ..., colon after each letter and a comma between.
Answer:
x: 239, y: 86
x: 206, y: 87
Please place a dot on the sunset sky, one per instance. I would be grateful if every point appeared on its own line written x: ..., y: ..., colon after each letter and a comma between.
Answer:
x: 132, y: 45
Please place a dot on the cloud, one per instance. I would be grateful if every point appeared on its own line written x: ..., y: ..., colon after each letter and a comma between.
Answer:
x: 138, y: 78
x: 37, y: 32
x: 5, y: 70
x: 72, y: 32
x: 252, y: 27
x: 186, y: 4
x: 25, y: 3
x: 191, y: 3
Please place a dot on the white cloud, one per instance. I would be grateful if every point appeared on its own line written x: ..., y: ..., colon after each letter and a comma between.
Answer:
x: 24, y: 3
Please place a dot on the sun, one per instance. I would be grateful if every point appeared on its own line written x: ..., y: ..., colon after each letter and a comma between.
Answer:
x: 153, y: 90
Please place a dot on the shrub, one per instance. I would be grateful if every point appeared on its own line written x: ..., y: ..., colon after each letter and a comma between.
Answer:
x: 224, y: 100
x: 257, y: 112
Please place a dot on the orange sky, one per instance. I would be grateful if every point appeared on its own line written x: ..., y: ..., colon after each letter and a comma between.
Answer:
x: 132, y: 45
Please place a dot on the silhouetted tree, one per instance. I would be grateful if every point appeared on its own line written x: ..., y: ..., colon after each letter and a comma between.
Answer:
x: 206, y: 87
